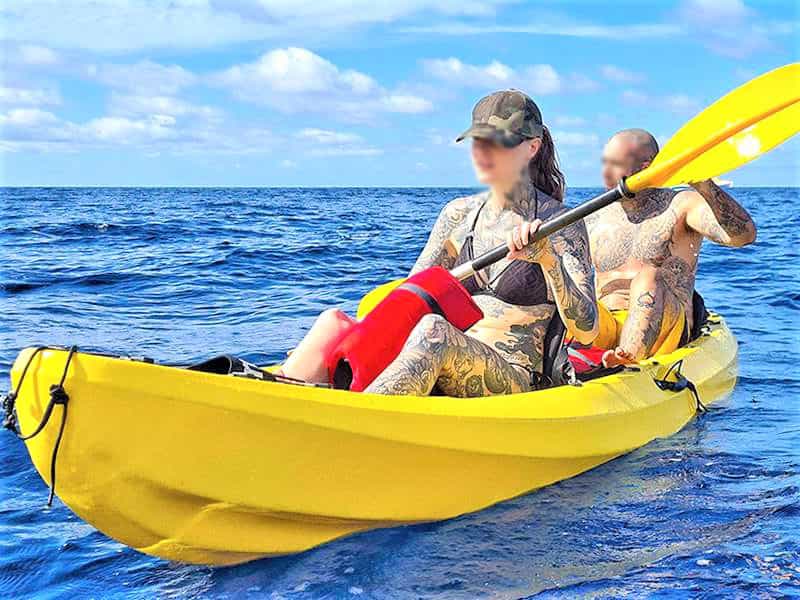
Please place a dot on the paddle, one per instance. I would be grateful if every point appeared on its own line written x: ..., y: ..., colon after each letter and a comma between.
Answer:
x: 737, y: 128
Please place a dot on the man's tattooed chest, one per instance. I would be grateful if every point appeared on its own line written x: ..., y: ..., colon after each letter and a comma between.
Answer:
x: 617, y: 237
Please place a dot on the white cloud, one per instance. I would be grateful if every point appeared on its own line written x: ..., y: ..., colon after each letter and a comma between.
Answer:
x: 130, y: 26
x: 287, y: 164
x: 534, y: 79
x: 729, y: 27
x: 634, y: 31
x: 568, y: 121
x: 143, y: 110
x: 349, y: 13
x: 298, y: 80
x: 33, y: 55
x: 437, y: 139
x: 123, y: 104
x: 406, y: 103
x: 127, y: 25
x: 443, y: 139
x: 572, y: 138
x: 42, y: 131
x: 18, y: 62
x: 335, y: 143
x: 681, y: 103
x: 711, y: 12
x: 455, y: 71
x: 125, y: 132
x: 635, y: 97
x: 35, y: 129
x: 577, y: 82
x: 17, y: 96
x: 144, y: 77
x: 122, y: 25
x: 324, y: 136
x: 676, y: 103
x: 293, y: 71
x: 345, y: 151
x: 27, y: 117
x: 620, y: 75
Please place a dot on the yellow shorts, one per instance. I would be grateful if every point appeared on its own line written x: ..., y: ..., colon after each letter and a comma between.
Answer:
x: 611, y: 322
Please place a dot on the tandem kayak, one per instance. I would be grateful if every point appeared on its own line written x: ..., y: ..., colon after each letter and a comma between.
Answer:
x: 215, y: 469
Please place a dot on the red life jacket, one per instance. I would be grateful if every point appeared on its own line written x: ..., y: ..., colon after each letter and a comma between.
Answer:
x: 363, y: 351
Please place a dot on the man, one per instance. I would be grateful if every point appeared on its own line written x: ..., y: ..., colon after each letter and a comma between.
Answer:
x: 645, y: 252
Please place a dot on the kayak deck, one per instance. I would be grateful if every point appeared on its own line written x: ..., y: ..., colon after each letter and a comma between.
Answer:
x: 213, y: 469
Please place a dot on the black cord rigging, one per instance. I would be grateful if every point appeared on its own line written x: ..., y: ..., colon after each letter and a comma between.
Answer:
x: 58, y: 396
x: 681, y: 383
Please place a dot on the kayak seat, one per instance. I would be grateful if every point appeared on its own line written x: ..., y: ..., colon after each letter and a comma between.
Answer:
x: 227, y: 364
x: 699, y: 316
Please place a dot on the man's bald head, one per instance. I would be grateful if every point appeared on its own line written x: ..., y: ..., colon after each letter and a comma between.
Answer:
x: 641, y: 143
x: 627, y: 152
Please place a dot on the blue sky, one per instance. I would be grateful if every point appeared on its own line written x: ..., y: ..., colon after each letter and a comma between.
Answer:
x: 357, y: 92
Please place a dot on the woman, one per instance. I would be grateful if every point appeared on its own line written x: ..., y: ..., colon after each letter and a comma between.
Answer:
x: 513, y: 154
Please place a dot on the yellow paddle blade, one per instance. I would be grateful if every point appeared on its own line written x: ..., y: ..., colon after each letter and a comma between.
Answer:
x: 737, y: 128
x: 372, y: 298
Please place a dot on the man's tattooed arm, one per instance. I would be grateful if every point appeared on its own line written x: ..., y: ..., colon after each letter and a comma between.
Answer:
x: 641, y: 329
x: 651, y: 309
x: 568, y: 270
x: 438, y: 251
x: 714, y: 214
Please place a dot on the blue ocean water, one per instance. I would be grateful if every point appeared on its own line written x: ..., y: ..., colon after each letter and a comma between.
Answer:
x: 182, y: 274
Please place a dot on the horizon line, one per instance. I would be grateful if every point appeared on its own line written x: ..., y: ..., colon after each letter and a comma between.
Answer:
x: 312, y: 187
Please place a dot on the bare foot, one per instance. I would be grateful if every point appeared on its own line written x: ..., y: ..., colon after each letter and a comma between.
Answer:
x: 614, y: 358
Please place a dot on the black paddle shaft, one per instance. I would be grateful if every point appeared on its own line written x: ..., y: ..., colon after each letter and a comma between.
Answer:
x: 465, y: 270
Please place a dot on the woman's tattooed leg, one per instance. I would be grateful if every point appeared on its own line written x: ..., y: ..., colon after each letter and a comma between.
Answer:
x: 437, y: 352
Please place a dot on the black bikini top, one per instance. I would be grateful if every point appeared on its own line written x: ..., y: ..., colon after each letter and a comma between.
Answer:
x: 521, y: 283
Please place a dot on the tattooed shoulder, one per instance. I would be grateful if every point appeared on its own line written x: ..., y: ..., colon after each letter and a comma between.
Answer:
x: 548, y: 207
x: 441, y: 247
x: 458, y: 208
x: 649, y: 204
x: 463, y: 211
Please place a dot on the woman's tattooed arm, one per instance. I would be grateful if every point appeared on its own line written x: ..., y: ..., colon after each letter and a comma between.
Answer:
x: 438, y: 251
x: 568, y: 269
x: 714, y: 214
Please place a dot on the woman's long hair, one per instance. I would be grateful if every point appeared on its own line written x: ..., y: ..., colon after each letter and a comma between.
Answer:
x: 545, y: 172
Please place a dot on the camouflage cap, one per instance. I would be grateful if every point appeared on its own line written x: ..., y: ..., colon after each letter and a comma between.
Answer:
x: 507, y: 117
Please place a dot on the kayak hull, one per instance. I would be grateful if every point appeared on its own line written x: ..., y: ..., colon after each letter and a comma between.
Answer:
x: 212, y: 469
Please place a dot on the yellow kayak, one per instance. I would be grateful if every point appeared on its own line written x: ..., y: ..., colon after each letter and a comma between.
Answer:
x: 216, y: 469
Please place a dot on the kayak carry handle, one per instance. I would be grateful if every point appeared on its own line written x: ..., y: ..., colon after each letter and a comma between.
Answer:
x: 569, y: 217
